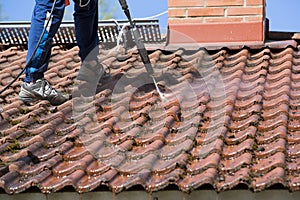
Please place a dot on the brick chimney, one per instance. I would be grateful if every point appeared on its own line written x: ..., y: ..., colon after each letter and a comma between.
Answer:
x: 216, y: 21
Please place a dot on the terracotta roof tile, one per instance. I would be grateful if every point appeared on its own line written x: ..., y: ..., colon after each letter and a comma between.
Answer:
x: 276, y: 176
x: 208, y: 176
x: 230, y: 118
x: 232, y: 179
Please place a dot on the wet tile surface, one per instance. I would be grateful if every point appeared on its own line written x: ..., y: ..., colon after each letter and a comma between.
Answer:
x: 226, y: 118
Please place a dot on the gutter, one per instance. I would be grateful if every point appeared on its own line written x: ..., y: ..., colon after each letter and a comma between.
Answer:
x: 205, y: 194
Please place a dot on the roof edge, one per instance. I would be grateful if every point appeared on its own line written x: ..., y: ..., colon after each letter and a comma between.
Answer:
x: 166, y: 194
x: 233, y: 46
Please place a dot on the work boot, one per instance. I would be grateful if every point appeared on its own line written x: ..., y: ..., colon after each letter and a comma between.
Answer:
x: 93, y: 72
x: 41, y: 90
x: 90, y: 71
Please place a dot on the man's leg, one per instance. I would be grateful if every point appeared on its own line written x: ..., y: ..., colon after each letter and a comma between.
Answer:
x: 40, y: 60
x: 86, y: 27
x: 34, y: 86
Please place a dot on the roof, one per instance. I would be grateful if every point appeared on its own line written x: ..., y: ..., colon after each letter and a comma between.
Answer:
x: 228, y: 118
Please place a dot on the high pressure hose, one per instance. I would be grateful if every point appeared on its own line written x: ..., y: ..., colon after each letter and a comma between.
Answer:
x: 49, y: 19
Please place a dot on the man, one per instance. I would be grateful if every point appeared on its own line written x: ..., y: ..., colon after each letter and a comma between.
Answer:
x: 35, y: 87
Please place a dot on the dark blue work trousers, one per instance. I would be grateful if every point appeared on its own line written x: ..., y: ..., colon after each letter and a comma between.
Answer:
x: 86, y: 23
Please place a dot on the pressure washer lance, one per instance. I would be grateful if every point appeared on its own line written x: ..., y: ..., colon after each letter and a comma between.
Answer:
x: 141, y: 47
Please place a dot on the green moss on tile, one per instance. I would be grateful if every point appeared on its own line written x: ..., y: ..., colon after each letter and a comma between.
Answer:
x: 15, y: 122
x: 14, y: 146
